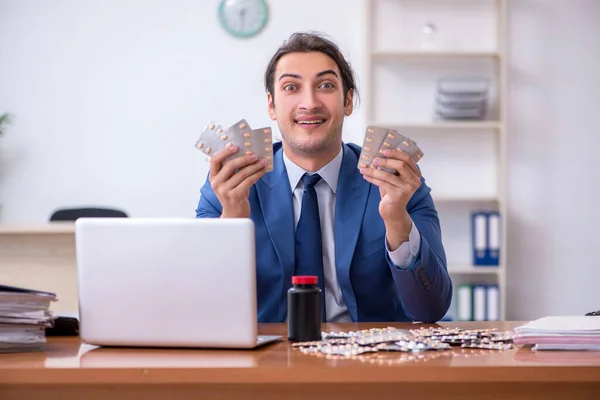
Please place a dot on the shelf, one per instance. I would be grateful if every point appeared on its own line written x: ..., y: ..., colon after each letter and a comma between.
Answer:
x: 416, y: 55
x: 465, y: 199
x: 462, y: 125
x: 471, y: 269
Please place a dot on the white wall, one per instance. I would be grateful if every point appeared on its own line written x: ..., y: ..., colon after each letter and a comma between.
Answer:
x: 109, y: 96
x: 554, y: 134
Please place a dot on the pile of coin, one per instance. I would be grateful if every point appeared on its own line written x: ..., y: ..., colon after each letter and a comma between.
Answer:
x: 351, y: 344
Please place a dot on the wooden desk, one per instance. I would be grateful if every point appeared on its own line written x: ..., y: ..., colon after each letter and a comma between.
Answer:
x: 69, y: 369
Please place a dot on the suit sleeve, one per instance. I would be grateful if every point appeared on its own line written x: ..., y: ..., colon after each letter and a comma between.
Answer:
x: 208, y: 205
x: 424, y: 288
x: 405, y: 255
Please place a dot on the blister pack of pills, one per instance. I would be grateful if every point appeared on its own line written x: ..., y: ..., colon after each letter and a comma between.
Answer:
x: 377, y: 139
x: 351, y: 344
x: 215, y: 138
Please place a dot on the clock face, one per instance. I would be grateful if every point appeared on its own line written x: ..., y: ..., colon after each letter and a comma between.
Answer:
x: 243, y: 18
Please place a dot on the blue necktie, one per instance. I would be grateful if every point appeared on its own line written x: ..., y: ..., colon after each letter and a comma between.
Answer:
x: 309, y: 244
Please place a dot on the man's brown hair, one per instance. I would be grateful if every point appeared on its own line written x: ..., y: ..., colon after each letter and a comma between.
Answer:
x: 304, y: 42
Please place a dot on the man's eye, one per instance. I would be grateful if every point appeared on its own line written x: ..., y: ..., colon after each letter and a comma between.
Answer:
x: 289, y: 87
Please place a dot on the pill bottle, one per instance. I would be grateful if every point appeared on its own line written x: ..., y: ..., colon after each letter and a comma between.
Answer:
x: 304, y: 309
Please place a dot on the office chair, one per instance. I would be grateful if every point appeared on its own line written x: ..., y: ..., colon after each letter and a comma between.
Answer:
x: 71, y: 214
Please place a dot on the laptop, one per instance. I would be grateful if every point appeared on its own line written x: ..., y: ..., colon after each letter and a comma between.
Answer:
x: 167, y: 282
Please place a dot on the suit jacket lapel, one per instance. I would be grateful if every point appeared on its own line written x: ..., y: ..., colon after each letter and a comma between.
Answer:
x: 351, y: 200
x: 275, y: 197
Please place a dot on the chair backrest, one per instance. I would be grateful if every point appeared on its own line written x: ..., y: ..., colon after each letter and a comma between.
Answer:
x: 71, y: 214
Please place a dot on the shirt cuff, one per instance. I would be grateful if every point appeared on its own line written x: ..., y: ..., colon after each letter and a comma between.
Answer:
x: 405, y: 255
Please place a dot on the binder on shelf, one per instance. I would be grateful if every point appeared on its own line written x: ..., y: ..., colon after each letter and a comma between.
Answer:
x: 485, y: 231
x: 494, y: 237
x: 464, y: 303
x: 479, y: 303
x: 479, y: 237
x: 492, y: 303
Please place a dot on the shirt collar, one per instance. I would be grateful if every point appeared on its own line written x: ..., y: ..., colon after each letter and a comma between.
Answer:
x: 330, y: 173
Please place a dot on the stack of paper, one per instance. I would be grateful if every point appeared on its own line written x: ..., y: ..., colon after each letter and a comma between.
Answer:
x: 461, y: 98
x: 561, y: 333
x: 24, y: 317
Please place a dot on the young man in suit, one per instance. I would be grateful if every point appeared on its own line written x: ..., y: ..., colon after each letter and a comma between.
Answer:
x: 378, y: 253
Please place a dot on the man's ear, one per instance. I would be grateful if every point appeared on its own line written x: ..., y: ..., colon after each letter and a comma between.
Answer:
x: 271, y: 106
x: 349, y: 106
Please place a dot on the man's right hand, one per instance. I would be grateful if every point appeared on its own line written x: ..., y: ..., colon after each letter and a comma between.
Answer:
x: 233, y: 188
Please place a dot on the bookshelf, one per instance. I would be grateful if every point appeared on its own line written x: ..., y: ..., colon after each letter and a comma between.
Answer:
x: 465, y: 161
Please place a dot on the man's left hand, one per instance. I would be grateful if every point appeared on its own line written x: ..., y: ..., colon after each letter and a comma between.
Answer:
x: 396, y: 190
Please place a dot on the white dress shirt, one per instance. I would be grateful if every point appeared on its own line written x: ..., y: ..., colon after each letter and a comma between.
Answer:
x: 326, y: 188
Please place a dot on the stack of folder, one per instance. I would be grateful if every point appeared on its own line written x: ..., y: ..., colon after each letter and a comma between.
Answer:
x: 560, y: 333
x: 24, y: 317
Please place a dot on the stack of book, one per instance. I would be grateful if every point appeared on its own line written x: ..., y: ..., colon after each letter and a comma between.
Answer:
x: 560, y: 333
x: 24, y: 317
x: 461, y: 98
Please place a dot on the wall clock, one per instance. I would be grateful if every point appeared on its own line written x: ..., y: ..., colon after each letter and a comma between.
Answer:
x: 243, y: 18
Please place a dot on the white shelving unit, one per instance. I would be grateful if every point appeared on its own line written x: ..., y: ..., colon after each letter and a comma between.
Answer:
x: 464, y: 126
x: 469, y: 269
x: 465, y: 162
x: 418, y: 55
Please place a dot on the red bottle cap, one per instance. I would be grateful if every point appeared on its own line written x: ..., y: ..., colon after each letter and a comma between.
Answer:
x: 305, y: 280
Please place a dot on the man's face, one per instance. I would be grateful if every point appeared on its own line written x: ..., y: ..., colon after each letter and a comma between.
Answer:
x: 308, y: 102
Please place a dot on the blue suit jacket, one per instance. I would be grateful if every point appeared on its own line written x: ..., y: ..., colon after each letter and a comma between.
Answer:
x: 373, y: 288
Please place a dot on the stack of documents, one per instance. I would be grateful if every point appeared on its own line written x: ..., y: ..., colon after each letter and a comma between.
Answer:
x: 24, y: 317
x: 561, y: 333
x: 461, y: 98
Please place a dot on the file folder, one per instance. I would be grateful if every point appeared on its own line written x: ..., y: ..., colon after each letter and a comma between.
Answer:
x: 464, y: 303
x: 485, y: 230
x: 493, y: 303
x: 494, y: 238
x: 479, y: 237
x: 27, y: 291
x: 561, y: 332
x: 479, y: 303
